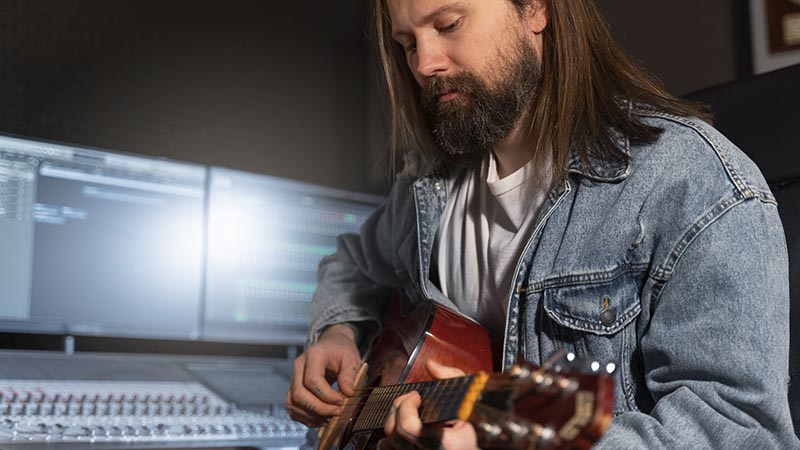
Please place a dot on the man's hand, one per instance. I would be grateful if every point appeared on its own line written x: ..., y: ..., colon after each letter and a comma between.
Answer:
x: 334, y: 357
x: 404, y: 422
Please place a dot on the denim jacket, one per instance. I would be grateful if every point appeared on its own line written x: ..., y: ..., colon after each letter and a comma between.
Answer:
x: 673, y: 266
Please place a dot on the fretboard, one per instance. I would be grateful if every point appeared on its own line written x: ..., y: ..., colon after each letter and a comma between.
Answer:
x: 441, y: 400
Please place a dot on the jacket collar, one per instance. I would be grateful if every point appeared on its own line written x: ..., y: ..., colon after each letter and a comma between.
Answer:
x: 608, y: 171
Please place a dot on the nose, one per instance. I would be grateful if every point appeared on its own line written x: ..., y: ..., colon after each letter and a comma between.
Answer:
x: 430, y: 60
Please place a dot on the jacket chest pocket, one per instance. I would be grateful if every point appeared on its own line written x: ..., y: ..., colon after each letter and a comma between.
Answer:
x: 598, y: 320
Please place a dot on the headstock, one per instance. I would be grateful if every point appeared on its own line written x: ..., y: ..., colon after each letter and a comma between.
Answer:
x: 563, y: 406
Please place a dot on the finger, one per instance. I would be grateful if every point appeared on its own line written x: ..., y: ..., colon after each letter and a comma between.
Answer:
x: 347, y: 373
x: 460, y: 436
x: 388, y: 426
x: 440, y: 371
x: 407, y: 422
x: 391, y: 419
x: 301, y: 399
x: 312, y: 421
x: 316, y: 364
x: 300, y: 415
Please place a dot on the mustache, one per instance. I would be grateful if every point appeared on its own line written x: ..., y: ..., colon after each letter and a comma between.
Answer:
x: 441, y: 85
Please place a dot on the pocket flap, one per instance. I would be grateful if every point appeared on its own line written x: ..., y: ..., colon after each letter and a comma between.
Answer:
x: 598, y: 307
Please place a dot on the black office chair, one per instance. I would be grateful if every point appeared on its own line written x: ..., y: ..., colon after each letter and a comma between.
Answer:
x: 761, y: 115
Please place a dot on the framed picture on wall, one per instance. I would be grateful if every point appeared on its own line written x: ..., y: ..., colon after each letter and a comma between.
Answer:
x: 783, y: 25
x: 775, y: 32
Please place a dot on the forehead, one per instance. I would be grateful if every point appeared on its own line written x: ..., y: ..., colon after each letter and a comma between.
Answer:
x: 405, y: 14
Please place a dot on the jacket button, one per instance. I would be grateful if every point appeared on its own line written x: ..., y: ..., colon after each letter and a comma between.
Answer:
x: 608, y: 317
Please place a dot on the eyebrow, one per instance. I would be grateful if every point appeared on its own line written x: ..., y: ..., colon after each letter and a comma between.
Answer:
x: 430, y: 16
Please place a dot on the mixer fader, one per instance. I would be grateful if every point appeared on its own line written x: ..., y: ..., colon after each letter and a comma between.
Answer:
x: 98, y: 412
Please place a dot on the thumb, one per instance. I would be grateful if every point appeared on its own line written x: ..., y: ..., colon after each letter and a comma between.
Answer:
x: 440, y: 371
x: 347, y: 374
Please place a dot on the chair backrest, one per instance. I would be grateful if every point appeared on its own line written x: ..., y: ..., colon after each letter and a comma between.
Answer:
x: 789, y: 206
x: 762, y: 116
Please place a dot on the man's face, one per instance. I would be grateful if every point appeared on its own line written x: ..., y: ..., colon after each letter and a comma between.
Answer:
x: 476, y: 62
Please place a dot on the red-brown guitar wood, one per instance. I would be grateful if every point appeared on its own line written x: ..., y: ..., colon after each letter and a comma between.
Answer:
x: 406, y: 342
x: 559, y: 410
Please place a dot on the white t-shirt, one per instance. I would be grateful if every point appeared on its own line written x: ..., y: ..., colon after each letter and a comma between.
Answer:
x: 486, y: 223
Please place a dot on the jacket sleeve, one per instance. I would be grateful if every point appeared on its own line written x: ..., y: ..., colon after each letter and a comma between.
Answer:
x: 715, y: 353
x: 354, y: 281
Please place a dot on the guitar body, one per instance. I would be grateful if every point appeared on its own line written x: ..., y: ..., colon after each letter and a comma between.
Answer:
x: 524, y: 408
x: 429, y: 332
x: 399, y: 355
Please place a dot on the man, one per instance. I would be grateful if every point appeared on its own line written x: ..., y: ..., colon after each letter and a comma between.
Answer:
x: 555, y: 193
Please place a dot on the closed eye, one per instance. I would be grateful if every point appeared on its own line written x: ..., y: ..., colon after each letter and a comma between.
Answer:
x: 451, y: 27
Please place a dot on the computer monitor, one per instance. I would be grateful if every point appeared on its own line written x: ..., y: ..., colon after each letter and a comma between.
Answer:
x: 99, y: 243
x: 266, y: 237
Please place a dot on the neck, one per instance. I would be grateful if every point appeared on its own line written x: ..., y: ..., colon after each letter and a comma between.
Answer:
x: 514, y: 151
x: 441, y: 400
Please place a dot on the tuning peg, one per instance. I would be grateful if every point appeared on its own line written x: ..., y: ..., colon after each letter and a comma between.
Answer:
x: 489, y: 430
x: 542, y: 379
x: 547, y: 434
x: 516, y: 431
x: 568, y: 385
x: 518, y: 371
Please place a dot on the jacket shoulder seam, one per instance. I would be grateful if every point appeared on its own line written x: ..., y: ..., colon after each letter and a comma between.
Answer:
x: 743, y: 188
x: 663, y: 272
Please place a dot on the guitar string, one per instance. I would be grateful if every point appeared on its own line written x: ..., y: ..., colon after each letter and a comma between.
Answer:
x: 375, y: 410
x: 439, y: 394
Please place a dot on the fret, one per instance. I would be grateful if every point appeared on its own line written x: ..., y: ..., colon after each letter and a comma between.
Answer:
x: 441, y: 400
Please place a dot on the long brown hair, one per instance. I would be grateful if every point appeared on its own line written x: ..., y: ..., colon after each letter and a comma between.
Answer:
x: 582, y: 103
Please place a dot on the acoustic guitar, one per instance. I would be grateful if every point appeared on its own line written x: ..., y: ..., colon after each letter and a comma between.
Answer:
x: 526, y: 407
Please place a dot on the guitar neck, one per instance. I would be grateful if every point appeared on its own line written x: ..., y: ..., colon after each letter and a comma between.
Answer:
x: 442, y: 400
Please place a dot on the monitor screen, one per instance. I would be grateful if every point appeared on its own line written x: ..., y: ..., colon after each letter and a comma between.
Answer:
x: 99, y: 243
x: 266, y: 237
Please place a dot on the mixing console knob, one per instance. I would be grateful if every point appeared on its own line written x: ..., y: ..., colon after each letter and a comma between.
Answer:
x: 174, y: 430
x: 77, y: 431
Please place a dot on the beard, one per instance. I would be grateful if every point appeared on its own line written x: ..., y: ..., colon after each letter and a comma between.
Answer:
x: 481, y: 115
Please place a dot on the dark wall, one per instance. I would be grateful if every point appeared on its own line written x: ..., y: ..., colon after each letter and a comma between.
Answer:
x: 282, y: 88
x: 264, y: 86
x: 687, y: 44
